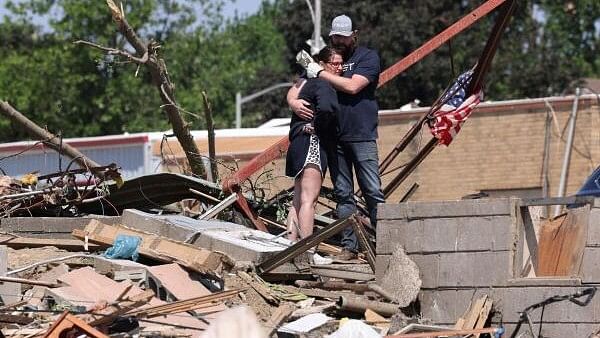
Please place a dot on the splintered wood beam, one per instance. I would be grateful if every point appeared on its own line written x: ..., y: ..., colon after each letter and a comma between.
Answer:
x: 305, y: 244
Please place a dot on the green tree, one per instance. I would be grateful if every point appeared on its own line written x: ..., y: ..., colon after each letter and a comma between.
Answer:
x: 525, y: 64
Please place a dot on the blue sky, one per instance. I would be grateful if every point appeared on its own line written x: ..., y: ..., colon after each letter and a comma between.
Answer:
x: 242, y: 7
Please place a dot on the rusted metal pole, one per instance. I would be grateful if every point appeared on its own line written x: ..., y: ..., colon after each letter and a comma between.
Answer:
x: 359, y: 305
x: 333, y: 285
x: 433, y: 44
x: 4, y: 279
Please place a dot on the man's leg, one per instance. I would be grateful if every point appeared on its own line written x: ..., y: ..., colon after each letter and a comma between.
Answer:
x: 343, y: 183
x: 367, y: 174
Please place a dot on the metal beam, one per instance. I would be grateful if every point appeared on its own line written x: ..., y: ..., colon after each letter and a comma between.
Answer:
x: 433, y: 44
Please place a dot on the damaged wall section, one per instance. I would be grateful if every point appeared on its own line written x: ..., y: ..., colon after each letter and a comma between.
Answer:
x: 468, y: 248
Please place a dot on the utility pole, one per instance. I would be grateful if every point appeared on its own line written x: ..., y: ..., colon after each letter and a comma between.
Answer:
x: 562, y: 187
x: 316, y: 43
x: 317, y: 39
x: 239, y: 99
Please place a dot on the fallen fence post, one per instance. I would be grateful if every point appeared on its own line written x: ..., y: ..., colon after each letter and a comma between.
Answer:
x: 305, y: 244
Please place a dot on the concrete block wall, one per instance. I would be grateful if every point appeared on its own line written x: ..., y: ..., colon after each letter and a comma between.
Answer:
x: 467, y: 248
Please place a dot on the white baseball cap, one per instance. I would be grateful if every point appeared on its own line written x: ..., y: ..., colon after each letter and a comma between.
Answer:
x: 341, y: 25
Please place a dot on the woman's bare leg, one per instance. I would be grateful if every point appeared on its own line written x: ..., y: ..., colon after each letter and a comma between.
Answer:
x: 309, y: 185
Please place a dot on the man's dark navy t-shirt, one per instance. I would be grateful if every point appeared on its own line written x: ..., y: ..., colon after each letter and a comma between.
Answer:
x: 358, y: 113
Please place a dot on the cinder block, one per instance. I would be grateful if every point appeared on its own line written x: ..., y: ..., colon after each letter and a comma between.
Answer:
x: 474, y: 269
x: 381, y: 265
x: 477, y: 207
x: 429, y: 269
x: 484, y: 233
x: 389, y: 211
x: 409, y: 234
x: 444, y: 307
x: 550, y: 329
x: 593, y: 238
x: 440, y: 234
x: 511, y: 301
x: 590, y: 267
x: 9, y: 292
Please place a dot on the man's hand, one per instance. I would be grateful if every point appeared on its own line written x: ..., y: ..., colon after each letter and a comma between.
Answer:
x: 305, y: 60
x: 300, y: 108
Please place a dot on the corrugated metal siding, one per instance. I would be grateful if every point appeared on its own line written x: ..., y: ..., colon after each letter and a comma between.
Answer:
x: 131, y: 158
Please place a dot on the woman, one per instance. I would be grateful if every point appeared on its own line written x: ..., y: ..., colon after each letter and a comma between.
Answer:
x: 310, y: 142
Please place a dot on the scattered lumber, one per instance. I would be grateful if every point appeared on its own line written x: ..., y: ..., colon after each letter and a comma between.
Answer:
x: 155, y: 247
x: 184, y: 305
x: 304, y: 244
x: 282, y: 313
x: 67, y: 324
x: 259, y: 287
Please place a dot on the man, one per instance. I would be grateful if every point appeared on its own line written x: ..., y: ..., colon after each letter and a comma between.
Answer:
x: 357, y: 135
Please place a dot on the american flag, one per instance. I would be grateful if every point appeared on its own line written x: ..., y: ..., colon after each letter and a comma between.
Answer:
x: 445, y: 122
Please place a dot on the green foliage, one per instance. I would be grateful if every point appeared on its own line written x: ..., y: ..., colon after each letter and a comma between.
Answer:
x: 548, y: 47
x: 534, y: 59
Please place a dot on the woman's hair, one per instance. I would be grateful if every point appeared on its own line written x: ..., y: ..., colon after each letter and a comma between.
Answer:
x: 325, y: 54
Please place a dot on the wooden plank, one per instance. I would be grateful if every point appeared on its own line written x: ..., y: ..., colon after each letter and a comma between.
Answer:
x: 483, y: 315
x: 562, y: 242
x: 260, y: 288
x: 155, y: 247
x: 280, y: 315
x: 27, y: 242
x: 473, y: 315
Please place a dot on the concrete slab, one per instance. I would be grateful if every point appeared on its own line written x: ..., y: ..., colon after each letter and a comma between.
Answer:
x: 50, y: 227
x: 175, y: 227
x: 9, y: 292
x: 86, y: 288
x: 171, y: 282
x: 246, y: 245
x: 35, y: 296
x: 110, y: 266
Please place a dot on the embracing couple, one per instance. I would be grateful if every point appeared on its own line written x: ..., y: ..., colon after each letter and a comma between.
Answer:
x: 335, y: 125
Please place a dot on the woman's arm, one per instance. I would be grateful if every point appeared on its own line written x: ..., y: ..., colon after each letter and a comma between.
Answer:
x: 298, y: 106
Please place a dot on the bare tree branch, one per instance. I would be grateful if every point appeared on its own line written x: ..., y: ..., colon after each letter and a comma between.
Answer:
x: 160, y: 78
x: 114, y: 51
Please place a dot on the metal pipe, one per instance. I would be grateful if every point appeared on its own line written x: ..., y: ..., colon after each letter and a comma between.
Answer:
x: 562, y: 186
x: 360, y: 305
x: 29, y: 282
x: 238, y: 110
x: 317, y: 35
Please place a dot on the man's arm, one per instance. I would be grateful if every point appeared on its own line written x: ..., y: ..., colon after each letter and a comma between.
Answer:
x: 351, y: 85
x: 298, y: 106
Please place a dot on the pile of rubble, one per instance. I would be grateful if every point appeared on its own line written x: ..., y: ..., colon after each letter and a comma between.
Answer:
x: 143, y: 274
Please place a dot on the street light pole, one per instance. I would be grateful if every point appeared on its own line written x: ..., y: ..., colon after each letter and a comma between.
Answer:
x: 317, y: 40
x: 239, y: 100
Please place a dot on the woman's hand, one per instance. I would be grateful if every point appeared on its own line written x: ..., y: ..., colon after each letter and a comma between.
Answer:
x: 300, y: 108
